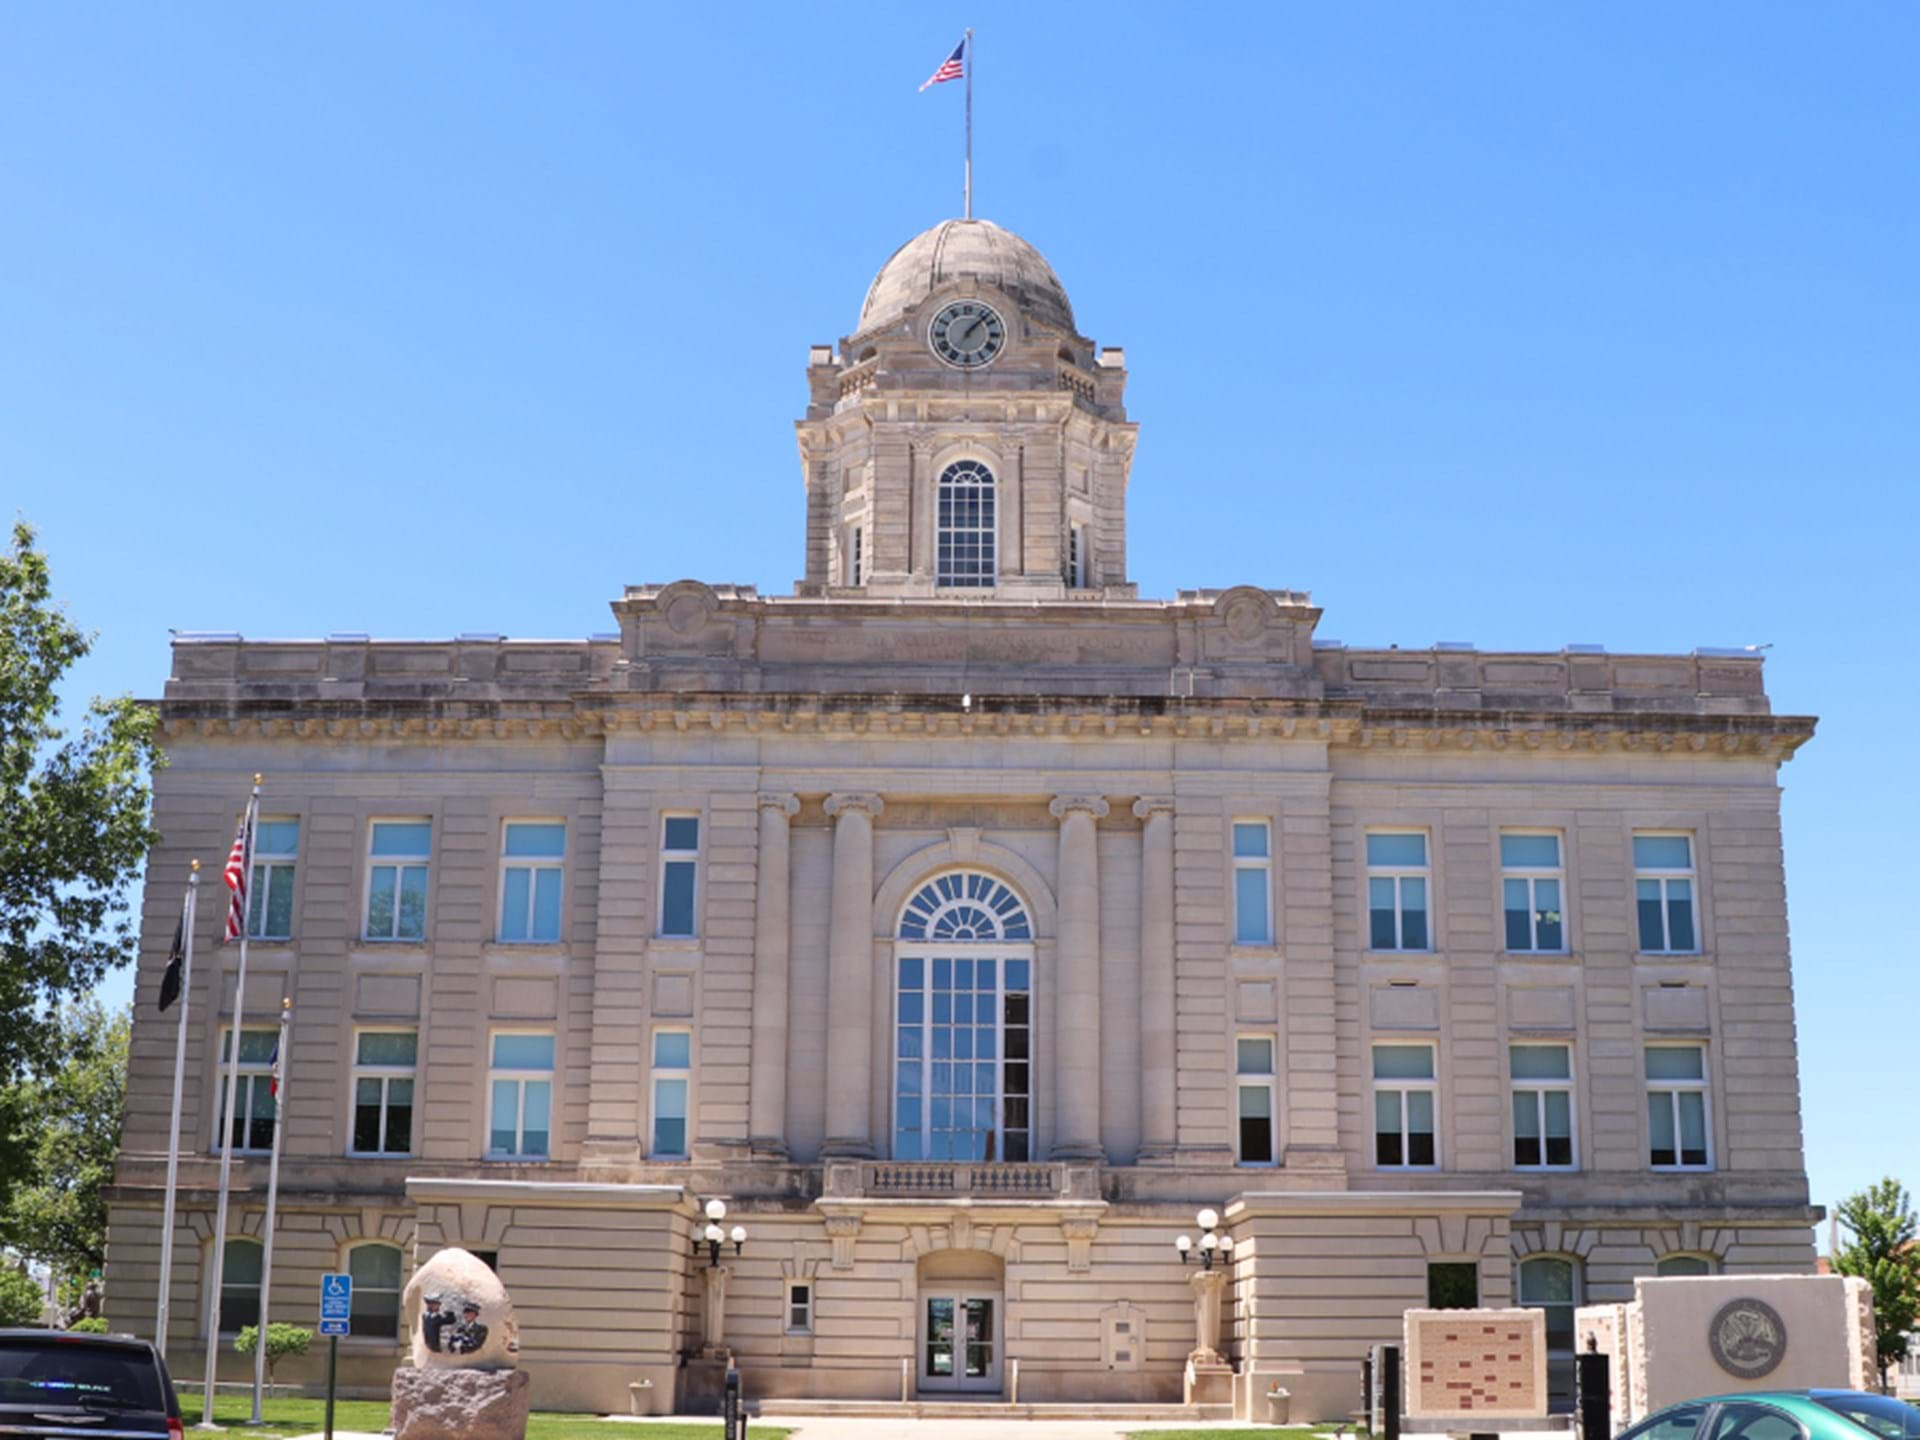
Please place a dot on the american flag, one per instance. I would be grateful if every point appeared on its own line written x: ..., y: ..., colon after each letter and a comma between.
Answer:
x: 952, y: 68
x: 239, y: 862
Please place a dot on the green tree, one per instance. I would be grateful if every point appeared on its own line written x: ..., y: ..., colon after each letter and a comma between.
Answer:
x: 57, y: 1213
x: 22, y: 1302
x: 1883, y: 1252
x: 75, y: 828
x: 282, y: 1341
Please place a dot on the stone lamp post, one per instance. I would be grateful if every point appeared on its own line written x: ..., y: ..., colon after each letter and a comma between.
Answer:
x: 1209, y: 1378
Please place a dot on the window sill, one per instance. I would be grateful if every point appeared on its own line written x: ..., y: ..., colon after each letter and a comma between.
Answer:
x: 1247, y: 950
x: 378, y: 942
x: 1681, y: 1169
x: 674, y: 942
x: 1546, y: 1170
x: 492, y: 1159
x: 1560, y: 956
x: 1668, y: 957
x: 275, y: 941
x: 1428, y: 954
x: 382, y: 1155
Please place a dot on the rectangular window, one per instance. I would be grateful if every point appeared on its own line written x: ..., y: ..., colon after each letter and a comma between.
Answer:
x: 1542, y: 1106
x: 376, y: 1290
x: 276, y: 843
x: 679, y: 876
x: 1076, y: 557
x: 799, y: 1307
x: 385, y: 1064
x: 1531, y: 879
x: 397, y: 860
x: 253, y: 1104
x: 1254, y: 1082
x: 854, y: 568
x: 1663, y: 889
x: 672, y: 1077
x: 1403, y: 1107
x: 1677, y: 1130
x: 520, y: 1096
x: 533, y: 861
x: 963, y: 1059
x: 240, y: 1285
x: 1252, y: 882
x: 1453, y: 1285
x: 1397, y: 891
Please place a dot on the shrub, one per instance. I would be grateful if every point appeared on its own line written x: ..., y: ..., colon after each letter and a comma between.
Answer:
x: 282, y: 1341
x: 91, y: 1325
x: 22, y: 1301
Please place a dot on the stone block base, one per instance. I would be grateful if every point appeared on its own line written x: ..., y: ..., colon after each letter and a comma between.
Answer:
x: 1209, y: 1383
x: 703, y: 1382
x: 461, y: 1404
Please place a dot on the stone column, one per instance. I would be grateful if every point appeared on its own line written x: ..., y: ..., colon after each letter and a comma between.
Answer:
x: 1159, y: 1123
x: 767, y: 1115
x: 850, y: 978
x: 1076, y: 1066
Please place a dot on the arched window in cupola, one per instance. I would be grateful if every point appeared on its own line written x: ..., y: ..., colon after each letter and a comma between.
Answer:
x: 967, y: 532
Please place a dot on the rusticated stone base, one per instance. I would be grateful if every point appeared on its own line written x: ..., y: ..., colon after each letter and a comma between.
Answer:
x: 461, y: 1404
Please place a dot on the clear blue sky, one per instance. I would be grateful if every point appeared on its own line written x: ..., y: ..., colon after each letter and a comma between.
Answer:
x: 1516, y: 324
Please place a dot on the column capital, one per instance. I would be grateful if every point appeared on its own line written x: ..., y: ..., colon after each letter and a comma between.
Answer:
x: 1065, y: 805
x: 861, y: 801
x: 786, y: 804
x: 1148, y: 806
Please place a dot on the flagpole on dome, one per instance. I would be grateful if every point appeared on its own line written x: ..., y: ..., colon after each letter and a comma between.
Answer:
x: 968, y: 42
x: 175, y: 982
x: 282, y: 1062
x: 237, y: 874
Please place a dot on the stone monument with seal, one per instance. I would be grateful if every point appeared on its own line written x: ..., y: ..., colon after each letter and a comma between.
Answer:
x: 464, y: 1382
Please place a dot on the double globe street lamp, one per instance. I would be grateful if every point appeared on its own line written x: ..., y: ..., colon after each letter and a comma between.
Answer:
x: 711, y: 1238
x: 1213, y: 1245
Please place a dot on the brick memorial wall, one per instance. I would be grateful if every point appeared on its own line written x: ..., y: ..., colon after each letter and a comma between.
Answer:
x: 1476, y: 1363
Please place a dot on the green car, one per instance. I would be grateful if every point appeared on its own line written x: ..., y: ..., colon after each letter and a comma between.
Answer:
x: 1783, y: 1415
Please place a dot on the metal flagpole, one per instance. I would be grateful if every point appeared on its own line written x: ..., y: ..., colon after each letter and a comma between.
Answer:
x: 969, y: 60
x: 218, y: 1271
x: 283, y: 1062
x: 173, y: 1134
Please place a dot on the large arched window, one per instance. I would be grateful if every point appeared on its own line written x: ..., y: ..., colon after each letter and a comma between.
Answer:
x: 376, y: 1268
x: 963, y: 1008
x: 967, y: 528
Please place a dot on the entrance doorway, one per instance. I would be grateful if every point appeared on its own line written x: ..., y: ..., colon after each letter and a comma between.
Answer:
x: 960, y: 1342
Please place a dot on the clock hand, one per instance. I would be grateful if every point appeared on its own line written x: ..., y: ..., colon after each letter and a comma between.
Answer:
x: 978, y: 321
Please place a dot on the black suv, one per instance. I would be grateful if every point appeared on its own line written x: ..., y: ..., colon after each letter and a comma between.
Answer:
x: 57, y: 1384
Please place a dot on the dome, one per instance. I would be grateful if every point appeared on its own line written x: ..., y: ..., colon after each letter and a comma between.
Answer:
x: 957, y: 248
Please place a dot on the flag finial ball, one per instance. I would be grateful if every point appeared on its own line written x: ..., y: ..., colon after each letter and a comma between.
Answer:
x: 196, y: 867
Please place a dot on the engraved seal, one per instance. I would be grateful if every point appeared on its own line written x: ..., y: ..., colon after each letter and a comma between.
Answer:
x: 1748, y: 1338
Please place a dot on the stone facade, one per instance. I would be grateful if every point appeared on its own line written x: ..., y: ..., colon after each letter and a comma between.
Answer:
x: 739, y: 1029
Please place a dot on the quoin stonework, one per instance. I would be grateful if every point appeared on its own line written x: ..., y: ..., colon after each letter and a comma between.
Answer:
x: 965, y: 922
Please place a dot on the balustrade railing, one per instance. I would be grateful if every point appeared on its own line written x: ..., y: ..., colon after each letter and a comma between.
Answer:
x: 933, y: 1177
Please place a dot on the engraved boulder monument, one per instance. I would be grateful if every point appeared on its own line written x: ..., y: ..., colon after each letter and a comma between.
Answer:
x: 464, y: 1380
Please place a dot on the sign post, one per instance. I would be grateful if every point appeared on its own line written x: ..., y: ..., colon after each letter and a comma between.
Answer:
x: 336, y: 1319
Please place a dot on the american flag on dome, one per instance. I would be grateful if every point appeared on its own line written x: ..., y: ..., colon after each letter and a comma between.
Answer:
x: 239, y: 862
x: 952, y: 68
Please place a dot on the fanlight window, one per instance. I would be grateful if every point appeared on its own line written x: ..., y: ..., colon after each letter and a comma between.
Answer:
x: 966, y: 531
x: 963, y: 907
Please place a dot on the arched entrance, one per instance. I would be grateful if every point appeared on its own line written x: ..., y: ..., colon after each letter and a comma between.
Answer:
x: 961, y: 1345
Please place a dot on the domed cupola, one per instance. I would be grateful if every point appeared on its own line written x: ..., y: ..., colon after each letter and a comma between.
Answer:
x: 977, y: 250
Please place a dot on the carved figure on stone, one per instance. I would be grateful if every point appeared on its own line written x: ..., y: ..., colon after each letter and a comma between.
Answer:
x: 458, y: 1315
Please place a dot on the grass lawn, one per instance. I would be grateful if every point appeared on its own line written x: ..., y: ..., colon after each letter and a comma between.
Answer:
x: 289, y: 1415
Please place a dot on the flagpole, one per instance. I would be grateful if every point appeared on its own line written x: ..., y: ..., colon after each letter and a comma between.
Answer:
x: 173, y: 1134
x: 283, y: 1062
x: 219, y: 1265
x: 969, y: 39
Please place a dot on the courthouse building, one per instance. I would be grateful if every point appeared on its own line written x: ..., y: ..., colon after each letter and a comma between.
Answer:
x: 966, y: 923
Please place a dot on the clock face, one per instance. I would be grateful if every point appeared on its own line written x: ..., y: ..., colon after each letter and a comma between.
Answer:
x: 967, y: 333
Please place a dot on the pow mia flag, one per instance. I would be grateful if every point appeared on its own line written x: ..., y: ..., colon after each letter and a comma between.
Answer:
x: 176, y: 962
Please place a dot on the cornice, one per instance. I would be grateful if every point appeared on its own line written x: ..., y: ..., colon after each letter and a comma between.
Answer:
x: 1342, y: 724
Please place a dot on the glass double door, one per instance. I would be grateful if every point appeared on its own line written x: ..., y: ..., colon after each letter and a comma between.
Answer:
x: 959, y: 1342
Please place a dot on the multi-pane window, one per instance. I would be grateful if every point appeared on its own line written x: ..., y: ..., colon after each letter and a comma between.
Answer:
x: 240, y: 1270
x: 1663, y: 891
x: 376, y: 1290
x: 799, y: 1307
x: 1254, y: 1087
x: 385, y: 1064
x: 1552, y: 1284
x: 1252, y: 882
x: 672, y: 1079
x: 679, y: 876
x: 1531, y: 880
x: 1076, y: 557
x: 1397, y: 890
x: 253, y: 1103
x: 1677, y: 1108
x: 1673, y: 1265
x: 276, y: 845
x: 966, y: 530
x: 532, y: 864
x: 856, y: 560
x: 1403, y: 1106
x: 1542, y: 1106
x: 963, y: 1066
x: 398, y: 852
x: 520, y: 1095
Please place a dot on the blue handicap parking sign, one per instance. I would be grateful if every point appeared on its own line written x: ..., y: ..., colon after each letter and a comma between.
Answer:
x: 336, y: 1300
x: 335, y: 1327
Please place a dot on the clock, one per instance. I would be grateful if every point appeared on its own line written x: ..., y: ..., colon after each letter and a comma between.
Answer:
x: 967, y: 334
